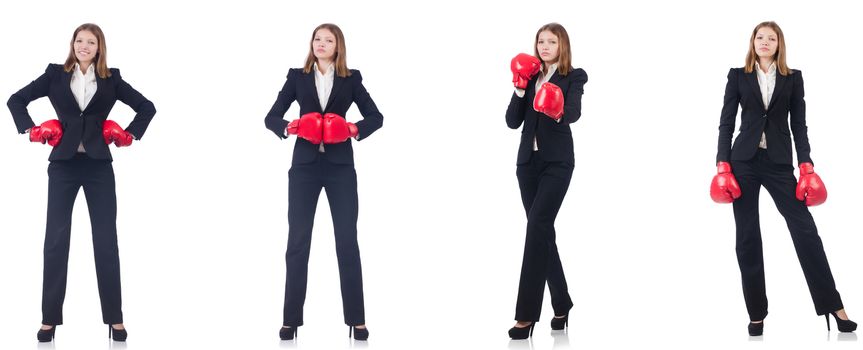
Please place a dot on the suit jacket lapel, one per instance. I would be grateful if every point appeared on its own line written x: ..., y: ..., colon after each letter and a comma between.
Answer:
x: 66, y: 83
x: 100, y: 90
x: 555, y: 78
x: 310, y: 82
x: 337, y: 83
x: 752, y: 79
x: 780, y: 84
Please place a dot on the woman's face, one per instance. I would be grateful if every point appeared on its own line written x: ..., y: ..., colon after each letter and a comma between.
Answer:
x: 547, y: 45
x: 86, y: 46
x: 324, y: 45
x: 766, y: 42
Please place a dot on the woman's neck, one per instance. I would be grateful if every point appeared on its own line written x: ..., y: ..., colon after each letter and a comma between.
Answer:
x: 765, y: 63
x: 323, y: 65
x: 84, y: 66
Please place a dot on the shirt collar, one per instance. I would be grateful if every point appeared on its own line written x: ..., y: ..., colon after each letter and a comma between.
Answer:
x: 552, y: 69
x: 770, y: 70
x: 90, y: 70
x: 330, y: 69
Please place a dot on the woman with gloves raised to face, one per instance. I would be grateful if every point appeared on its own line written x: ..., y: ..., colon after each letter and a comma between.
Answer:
x: 547, y: 99
x: 767, y: 92
x: 323, y: 159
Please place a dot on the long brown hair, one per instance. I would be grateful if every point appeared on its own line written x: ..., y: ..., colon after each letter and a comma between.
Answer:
x: 340, y: 59
x: 564, y: 57
x: 101, y: 56
x: 778, y: 57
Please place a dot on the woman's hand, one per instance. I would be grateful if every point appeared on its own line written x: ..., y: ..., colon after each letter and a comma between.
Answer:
x: 50, y: 131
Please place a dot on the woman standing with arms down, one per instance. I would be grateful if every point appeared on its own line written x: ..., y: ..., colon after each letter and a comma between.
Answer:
x: 547, y: 99
x: 767, y: 91
x: 82, y: 92
x: 323, y: 159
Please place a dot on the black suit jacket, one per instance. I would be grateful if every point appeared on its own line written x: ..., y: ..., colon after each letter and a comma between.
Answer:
x: 553, y: 139
x: 81, y: 126
x: 743, y: 89
x: 301, y: 87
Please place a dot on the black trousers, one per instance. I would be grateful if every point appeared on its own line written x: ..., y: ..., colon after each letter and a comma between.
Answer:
x: 780, y: 182
x: 304, y: 188
x: 65, y: 178
x: 543, y: 186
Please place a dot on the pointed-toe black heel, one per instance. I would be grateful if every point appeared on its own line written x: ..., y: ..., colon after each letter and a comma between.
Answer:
x: 287, y: 333
x: 842, y: 325
x: 522, y: 332
x: 559, y: 323
x: 358, y: 333
x: 117, y: 334
x: 756, y: 329
x: 45, y: 335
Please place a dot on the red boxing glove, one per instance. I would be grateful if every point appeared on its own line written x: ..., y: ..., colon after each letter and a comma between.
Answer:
x: 112, y: 132
x: 337, y: 129
x: 724, y: 188
x: 549, y: 100
x: 810, y: 187
x: 50, y: 131
x: 308, y: 127
x: 523, y: 68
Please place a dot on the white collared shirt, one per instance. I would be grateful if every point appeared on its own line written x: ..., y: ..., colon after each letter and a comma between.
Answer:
x: 324, y: 83
x: 544, y: 79
x: 83, y: 87
x: 767, y: 83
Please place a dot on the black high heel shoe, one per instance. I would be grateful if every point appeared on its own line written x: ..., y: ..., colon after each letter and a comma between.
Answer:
x: 559, y: 323
x: 117, y: 334
x: 842, y: 325
x: 45, y: 335
x: 287, y: 333
x: 522, y: 332
x: 359, y: 333
x: 756, y: 329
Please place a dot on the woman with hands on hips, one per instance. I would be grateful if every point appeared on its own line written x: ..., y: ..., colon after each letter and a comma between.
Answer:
x: 767, y: 92
x: 547, y: 99
x: 83, y: 92
x: 323, y: 159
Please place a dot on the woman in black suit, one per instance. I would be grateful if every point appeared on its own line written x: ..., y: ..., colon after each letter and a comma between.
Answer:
x: 547, y: 99
x: 767, y: 91
x: 82, y: 92
x: 323, y: 158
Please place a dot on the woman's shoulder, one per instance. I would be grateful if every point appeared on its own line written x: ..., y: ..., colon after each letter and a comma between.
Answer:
x: 54, y: 68
x: 736, y: 72
x: 296, y: 72
x: 577, y: 74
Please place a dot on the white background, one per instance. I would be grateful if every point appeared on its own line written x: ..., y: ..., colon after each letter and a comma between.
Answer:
x: 203, y: 197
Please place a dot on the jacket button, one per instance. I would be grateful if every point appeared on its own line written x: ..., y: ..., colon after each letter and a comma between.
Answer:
x: 764, y: 116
